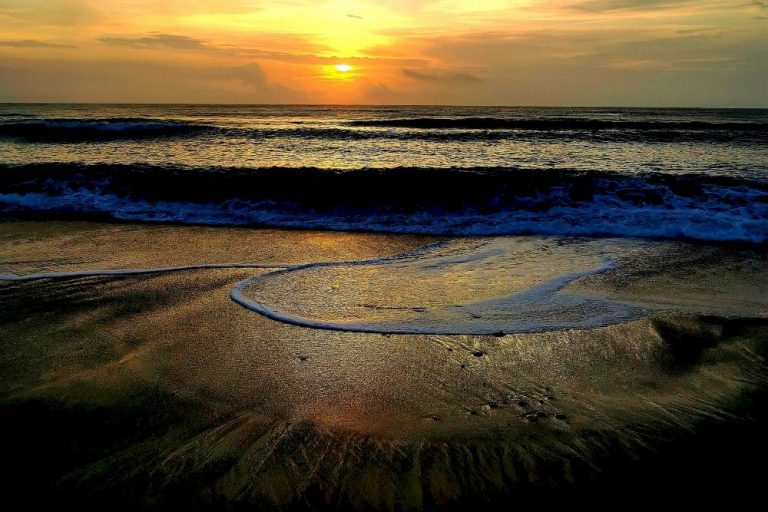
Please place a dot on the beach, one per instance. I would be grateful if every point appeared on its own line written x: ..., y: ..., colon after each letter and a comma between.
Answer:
x: 157, y: 391
x: 357, y: 256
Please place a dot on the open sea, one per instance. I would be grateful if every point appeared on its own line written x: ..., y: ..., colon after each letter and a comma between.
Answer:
x: 659, y: 173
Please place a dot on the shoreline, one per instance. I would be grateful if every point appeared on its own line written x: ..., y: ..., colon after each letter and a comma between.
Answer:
x: 158, y: 392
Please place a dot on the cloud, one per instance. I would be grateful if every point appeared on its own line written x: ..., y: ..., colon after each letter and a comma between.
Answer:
x: 629, y: 5
x: 504, y: 50
x: 593, y: 65
x: 160, y: 41
x: 695, y: 30
x: 109, y: 81
x: 171, y: 41
x: 32, y: 43
x: 381, y: 93
x: 440, y: 76
x: 253, y: 78
x: 660, y: 52
x: 311, y: 58
x: 251, y: 75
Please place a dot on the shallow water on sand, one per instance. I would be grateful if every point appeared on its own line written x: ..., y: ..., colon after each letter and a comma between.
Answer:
x: 459, y: 287
x: 482, y: 286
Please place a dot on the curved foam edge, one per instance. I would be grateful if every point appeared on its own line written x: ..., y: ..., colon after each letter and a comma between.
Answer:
x: 548, y: 288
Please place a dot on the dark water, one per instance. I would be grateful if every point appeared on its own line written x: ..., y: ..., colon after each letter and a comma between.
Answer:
x: 659, y: 173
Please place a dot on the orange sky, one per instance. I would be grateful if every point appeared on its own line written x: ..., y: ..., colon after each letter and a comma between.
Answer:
x: 514, y: 52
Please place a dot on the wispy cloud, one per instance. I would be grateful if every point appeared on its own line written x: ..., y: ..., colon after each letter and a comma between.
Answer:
x: 158, y: 41
x: 32, y: 43
x: 440, y: 76
x: 382, y: 93
x: 629, y: 5
x: 171, y: 41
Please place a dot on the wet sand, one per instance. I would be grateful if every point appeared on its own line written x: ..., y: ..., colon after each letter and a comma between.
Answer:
x: 158, y: 392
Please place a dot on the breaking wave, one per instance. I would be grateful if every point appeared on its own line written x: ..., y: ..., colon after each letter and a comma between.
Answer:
x: 475, y: 201
x: 85, y: 130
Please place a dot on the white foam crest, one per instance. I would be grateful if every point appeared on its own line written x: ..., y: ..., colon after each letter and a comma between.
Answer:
x: 719, y: 215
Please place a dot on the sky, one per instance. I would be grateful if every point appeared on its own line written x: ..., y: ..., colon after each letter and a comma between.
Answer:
x: 476, y: 52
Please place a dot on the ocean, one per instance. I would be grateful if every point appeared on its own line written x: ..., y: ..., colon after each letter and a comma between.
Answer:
x: 698, y: 174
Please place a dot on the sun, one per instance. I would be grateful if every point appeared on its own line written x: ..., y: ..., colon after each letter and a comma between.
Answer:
x: 342, y: 73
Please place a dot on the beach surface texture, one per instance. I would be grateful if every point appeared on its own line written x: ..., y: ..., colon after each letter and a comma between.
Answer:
x: 161, y: 367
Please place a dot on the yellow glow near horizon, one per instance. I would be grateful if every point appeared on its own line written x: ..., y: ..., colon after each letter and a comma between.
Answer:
x: 343, y: 68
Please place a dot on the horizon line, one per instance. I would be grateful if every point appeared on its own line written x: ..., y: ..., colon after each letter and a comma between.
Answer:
x: 445, y: 105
